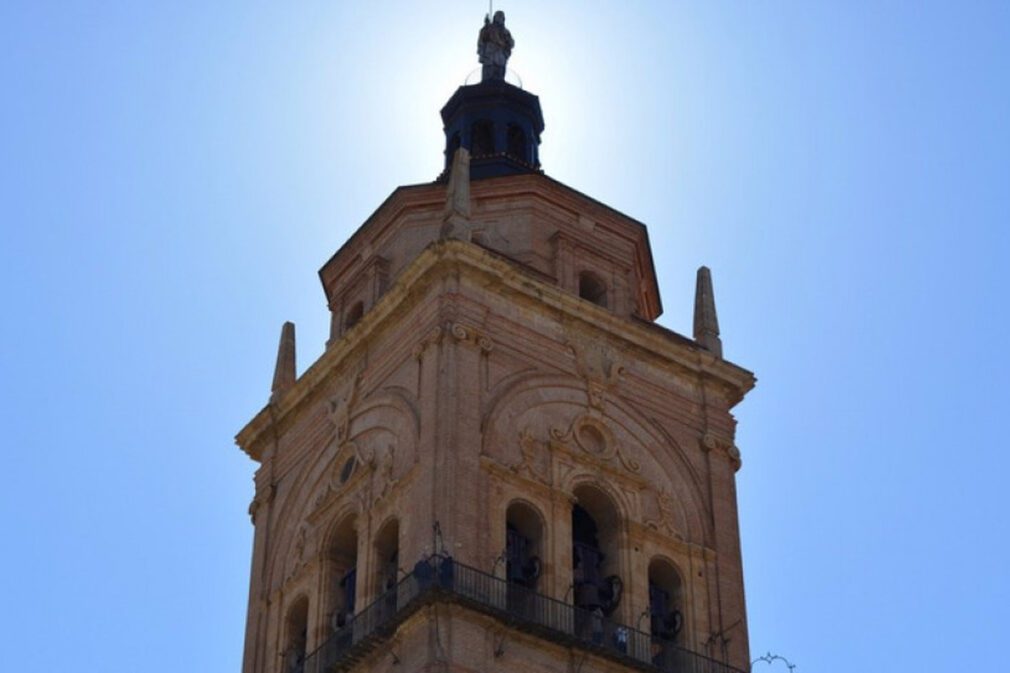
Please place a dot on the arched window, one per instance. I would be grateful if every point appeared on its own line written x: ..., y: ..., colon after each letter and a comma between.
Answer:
x: 342, y: 570
x: 595, y: 568
x: 296, y: 636
x: 524, y: 532
x: 517, y: 143
x: 666, y: 618
x: 387, y: 558
x: 482, y: 138
x: 592, y: 288
x: 354, y: 314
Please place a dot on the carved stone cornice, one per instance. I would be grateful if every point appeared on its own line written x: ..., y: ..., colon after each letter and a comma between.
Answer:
x: 714, y: 443
x: 265, y: 497
x: 470, y: 335
x: 434, y: 337
x: 456, y: 257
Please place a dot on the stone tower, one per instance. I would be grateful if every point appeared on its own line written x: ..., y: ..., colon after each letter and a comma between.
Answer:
x: 500, y: 460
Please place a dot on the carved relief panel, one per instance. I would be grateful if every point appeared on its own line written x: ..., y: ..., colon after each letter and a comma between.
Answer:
x: 555, y: 430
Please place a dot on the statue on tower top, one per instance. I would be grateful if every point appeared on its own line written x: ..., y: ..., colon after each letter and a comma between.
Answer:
x: 494, y: 46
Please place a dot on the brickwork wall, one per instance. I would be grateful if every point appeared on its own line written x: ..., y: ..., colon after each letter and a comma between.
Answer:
x: 472, y: 384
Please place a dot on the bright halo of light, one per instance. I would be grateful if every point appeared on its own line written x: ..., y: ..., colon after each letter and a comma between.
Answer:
x: 511, y: 76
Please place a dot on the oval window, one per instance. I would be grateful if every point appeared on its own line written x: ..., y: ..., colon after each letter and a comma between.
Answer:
x: 347, y: 470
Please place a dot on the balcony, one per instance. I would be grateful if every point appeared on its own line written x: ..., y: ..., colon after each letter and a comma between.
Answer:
x: 441, y: 579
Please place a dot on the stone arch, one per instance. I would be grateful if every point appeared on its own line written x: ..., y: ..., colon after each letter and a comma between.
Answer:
x: 525, y: 542
x: 526, y: 412
x: 505, y: 386
x: 668, y: 611
x: 383, y: 432
x: 511, y: 389
x: 347, y: 512
x: 667, y: 597
x: 340, y: 569
x: 296, y: 634
x: 582, y: 481
x: 386, y: 547
x: 599, y: 531
x: 387, y: 419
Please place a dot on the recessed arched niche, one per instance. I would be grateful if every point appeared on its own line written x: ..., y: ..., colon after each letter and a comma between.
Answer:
x: 592, y: 288
x: 596, y: 526
x: 296, y: 635
x: 342, y: 571
x: 666, y: 612
x: 387, y: 563
x: 524, y: 544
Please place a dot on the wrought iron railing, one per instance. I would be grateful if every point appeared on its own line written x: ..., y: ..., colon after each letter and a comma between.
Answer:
x: 441, y: 578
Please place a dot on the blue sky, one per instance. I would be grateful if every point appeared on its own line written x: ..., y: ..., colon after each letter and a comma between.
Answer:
x: 173, y: 174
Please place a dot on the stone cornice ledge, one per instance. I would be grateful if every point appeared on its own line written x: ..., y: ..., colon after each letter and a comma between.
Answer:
x: 451, y: 254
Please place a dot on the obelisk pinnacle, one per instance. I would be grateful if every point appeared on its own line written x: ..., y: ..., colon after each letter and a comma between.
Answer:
x: 457, y: 197
x: 706, y: 323
x: 284, y: 372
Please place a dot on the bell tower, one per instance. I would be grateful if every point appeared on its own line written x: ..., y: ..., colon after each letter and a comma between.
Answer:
x: 500, y: 460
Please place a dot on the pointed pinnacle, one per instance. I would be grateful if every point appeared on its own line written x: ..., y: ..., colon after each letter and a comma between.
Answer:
x: 457, y: 195
x: 706, y: 323
x: 284, y: 372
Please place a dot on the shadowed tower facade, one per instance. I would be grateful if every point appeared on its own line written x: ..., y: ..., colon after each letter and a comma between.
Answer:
x: 500, y: 460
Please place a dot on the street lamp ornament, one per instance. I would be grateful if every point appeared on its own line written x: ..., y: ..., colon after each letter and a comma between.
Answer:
x: 494, y: 46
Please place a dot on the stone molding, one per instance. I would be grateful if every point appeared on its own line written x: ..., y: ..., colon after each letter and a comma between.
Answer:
x: 434, y: 337
x: 470, y: 335
x: 592, y: 435
x: 538, y: 429
x: 714, y: 443
x: 454, y: 257
x: 261, y: 499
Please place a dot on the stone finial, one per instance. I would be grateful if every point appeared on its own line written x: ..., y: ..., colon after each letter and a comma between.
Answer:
x: 706, y: 323
x: 457, y: 196
x: 284, y: 372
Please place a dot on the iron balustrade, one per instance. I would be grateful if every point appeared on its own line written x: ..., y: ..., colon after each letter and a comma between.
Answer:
x: 442, y: 578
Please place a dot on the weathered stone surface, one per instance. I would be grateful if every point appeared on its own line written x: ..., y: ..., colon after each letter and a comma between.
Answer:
x: 476, y: 380
x: 285, y: 370
x: 706, y: 322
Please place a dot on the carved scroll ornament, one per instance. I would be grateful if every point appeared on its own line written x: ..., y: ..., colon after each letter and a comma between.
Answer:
x: 594, y: 437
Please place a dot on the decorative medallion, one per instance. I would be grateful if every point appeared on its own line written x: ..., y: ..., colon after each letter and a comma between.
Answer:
x: 594, y: 437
